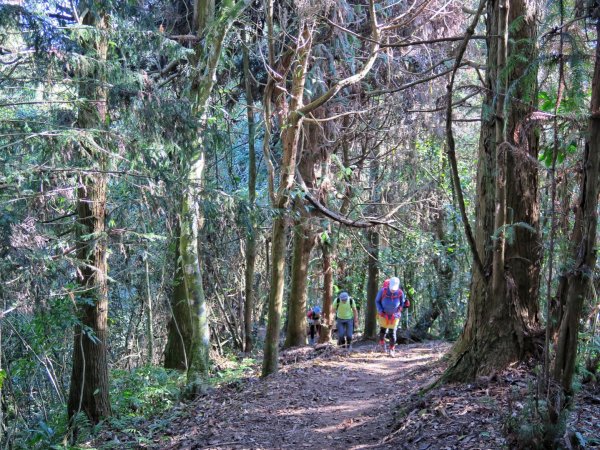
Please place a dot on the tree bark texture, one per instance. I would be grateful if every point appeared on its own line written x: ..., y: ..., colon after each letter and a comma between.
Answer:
x: 580, y: 276
x: 212, y: 28
x: 89, y: 389
x: 290, y: 134
x: 177, y: 349
x: 327, y: 322
x: 191, y: 222
x: 371, y: 329
x: 443, y: 267
x: 304, y: 240
x: 503, y: 309
x: 249, y: 292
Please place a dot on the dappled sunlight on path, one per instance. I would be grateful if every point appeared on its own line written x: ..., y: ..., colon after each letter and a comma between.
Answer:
x: 334, y: 400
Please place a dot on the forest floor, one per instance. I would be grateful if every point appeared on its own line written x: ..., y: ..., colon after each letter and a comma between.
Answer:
x: 328, y: 398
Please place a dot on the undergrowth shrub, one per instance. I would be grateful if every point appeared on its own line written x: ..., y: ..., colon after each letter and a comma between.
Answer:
x: 145, y: 391
x: 528, y: 424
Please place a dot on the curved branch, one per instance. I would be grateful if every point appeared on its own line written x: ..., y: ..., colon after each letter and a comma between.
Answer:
x: 369, y: 222
x: 452, y: 146
x: 353, y: 78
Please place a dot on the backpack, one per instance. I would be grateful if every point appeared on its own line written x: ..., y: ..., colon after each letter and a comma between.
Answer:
x: 312, y: 315
x: 397, y: 294
x: 337, y: 306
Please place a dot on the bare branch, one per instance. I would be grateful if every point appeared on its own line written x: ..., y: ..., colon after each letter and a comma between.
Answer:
x: 353, y: 78
x: 367, y: 223
x: 6, y: 311
x: 430, y: 41
x: 452, y: 147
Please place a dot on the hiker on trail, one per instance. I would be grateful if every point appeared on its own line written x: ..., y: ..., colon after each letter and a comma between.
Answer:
x: 346, y: 317
x: 314, y: 322
x: 390, y: 300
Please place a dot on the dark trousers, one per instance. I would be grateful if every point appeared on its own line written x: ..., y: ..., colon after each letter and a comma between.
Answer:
x: 314, y: 329
x: 391, y: 332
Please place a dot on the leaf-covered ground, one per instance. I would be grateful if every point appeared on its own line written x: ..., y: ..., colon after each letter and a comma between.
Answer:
x: 327, y: 398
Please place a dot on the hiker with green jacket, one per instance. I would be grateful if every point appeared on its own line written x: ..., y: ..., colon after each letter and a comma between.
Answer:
x: 346, y: 317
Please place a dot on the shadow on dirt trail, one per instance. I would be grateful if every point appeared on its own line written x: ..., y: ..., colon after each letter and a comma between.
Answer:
x: 329, y: 399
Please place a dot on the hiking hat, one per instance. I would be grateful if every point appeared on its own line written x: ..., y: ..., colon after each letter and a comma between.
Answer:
x: 344, y: 296
x: 394, y: 284
x: 317, y: 309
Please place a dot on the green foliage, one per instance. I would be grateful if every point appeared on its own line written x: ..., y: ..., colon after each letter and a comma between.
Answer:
x: 232, y: 371
x: 528, y: 424
x: 144, y: 391
x: 510, y: 231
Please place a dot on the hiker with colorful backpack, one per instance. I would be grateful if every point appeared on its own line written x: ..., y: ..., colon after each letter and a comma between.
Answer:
x: 346, y: 316
x: 314, y: 322
x: 390, y: 300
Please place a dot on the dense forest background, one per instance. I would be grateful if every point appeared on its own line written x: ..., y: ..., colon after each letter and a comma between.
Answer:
x: 180, y: 180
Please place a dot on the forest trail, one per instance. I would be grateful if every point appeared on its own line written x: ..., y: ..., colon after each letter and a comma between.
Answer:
x: 326, y: 398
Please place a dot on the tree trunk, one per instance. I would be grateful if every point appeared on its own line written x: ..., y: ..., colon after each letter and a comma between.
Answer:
x: 443, y: 296
x: 177, y: 349
x: 371, y: 329
x: 290, y: 136
x: 149, y: 318
x: 191, y: 222
x: 270, y: 363
x: 578, y: 279
x: 503, y: 309
x: 193, y: 306
x: 251, y: 231
x: 291, y: 115
x: 304, y: 240
x: 327, y: 322
x: 89, y: 389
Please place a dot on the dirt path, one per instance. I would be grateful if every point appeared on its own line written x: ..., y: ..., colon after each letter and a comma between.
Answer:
x: 328, y: 400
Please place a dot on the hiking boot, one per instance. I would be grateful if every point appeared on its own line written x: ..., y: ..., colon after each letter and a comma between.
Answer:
x: 392, y: 352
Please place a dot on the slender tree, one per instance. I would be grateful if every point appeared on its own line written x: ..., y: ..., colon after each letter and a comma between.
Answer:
x: 291, y: 112
x: 209, y: 28
x: 373, y: 284
x: 580, y: 276
x: 89, y: 389
x: 249, y: 293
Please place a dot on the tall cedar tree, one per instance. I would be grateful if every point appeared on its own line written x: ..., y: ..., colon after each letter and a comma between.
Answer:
x: 504, y: 300
x: 89, y: 380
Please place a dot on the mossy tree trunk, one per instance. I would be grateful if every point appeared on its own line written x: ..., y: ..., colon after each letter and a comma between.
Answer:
x: 304, y: 238
x: 177, y: 349
x: 327, y: 322
x: 213, y: 28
